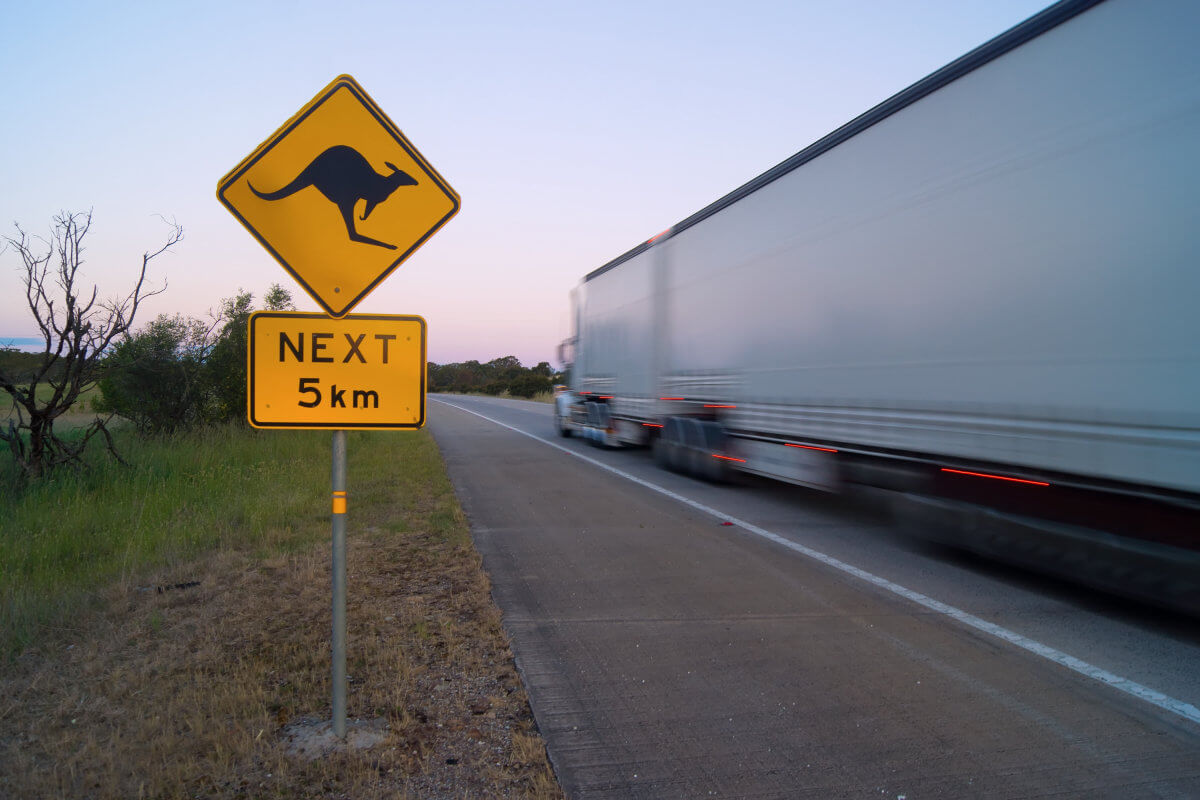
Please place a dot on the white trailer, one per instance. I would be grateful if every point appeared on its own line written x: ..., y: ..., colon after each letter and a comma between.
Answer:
x: 993, y: 274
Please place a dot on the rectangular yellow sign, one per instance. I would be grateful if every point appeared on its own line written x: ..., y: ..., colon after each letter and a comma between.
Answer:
x: 364, y: 371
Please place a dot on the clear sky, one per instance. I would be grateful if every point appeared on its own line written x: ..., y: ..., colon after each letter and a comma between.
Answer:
x: 572, y: 131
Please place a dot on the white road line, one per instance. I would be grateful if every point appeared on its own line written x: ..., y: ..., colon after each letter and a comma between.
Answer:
x: 1156, y: 698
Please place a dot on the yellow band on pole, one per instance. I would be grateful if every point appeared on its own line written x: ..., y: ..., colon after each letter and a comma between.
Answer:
x: 339, y: 502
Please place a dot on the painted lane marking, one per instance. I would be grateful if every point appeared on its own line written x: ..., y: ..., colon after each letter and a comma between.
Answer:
x: 1144, y: 693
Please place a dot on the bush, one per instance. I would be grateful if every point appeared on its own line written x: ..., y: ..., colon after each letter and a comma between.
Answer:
x: 178, y: 372
x: 529, y: 385
x: 156, y: 378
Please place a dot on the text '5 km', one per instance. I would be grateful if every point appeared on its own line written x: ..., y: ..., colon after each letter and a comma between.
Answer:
x: 337, y: 397
x: 360, y: 371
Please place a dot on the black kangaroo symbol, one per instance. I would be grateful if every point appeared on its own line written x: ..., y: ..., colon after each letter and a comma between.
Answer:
x: 345, y: 177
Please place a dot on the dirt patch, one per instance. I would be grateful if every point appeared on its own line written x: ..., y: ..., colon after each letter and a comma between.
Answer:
x: 311, y: 738
x: 213, y: 680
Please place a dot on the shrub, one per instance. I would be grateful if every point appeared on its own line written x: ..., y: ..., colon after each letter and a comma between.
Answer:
x: 156, y: 378
x: 178, y: 372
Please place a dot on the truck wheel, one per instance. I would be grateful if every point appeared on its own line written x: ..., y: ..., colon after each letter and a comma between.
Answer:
x: 715, y: 469
x: 669, y: 445
x: 695, y: 457
x: 661, y: 450
x: 593, y: 421
x: 603, y: 423
x: 563, y: 430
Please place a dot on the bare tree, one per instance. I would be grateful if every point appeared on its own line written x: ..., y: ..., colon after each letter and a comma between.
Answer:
x: 76, y: 331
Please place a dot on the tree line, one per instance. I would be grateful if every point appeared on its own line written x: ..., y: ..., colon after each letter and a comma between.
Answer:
x: 495, y: 377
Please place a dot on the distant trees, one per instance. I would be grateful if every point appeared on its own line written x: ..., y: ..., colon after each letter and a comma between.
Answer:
x: 21, y: 365
x: 495, y: 377
x: 77, y: 330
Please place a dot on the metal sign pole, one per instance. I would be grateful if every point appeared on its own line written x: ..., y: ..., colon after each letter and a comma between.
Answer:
x: 339, y: 584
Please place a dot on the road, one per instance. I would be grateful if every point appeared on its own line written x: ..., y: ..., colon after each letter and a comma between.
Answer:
x: 680, y: 639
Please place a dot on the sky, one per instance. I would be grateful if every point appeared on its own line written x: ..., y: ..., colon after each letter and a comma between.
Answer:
x: 571, y: 131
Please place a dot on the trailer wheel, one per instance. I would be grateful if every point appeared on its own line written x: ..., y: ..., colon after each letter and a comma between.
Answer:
x: 695, y: 456
x: 666, y: 451
x: 714, y: 469
x: 662, y: 448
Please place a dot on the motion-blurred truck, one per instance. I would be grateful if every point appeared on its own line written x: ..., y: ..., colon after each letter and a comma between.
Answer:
x: 979, y: 300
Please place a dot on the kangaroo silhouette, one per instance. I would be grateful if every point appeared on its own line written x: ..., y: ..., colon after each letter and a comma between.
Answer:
x: 345, y: 177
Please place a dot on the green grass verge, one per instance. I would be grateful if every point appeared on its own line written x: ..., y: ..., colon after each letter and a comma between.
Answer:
x: 79, y: 415
x: 65, y: 538
x: 44, y: 392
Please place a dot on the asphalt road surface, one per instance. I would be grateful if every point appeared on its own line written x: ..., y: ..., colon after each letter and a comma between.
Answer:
x: 680, y: 639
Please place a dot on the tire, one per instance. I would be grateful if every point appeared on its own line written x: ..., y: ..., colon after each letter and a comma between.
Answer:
x: 715, y: 469
x: 695, y: 457
x: 603, y: 422
x: 670, y: 446
x: 661, y: 454
x: 593, y: 420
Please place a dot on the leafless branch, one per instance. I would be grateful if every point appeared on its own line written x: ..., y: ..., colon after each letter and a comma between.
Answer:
x: 76, y: 330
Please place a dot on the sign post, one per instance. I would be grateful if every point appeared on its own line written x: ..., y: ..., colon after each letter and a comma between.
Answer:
x: 339, y: 584
x: 340, y: 197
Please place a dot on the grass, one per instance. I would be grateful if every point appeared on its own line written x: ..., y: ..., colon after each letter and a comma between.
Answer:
x: 62, y: 537
x: 79, y: 415
x: 166, y: 627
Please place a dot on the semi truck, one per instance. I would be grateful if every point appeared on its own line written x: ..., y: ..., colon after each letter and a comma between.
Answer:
x: 979, y: 301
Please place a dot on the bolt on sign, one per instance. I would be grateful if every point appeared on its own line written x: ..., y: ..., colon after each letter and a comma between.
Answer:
x: 338, y: 196
x: 363, y: 371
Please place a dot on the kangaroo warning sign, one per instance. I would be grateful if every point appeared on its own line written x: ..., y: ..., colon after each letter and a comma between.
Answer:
x: 314, y: 371
x: 339, y: 196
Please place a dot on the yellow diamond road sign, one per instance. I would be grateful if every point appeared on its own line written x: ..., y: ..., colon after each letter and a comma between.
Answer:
x: 310, y: 370
x: 339, y: 196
